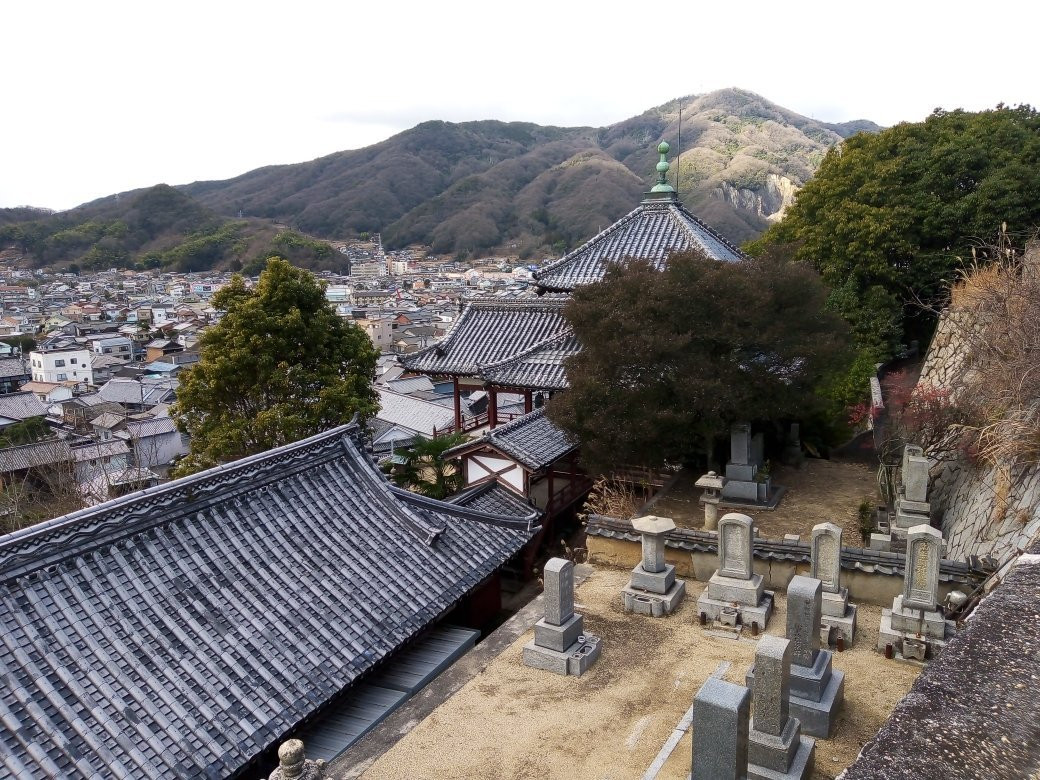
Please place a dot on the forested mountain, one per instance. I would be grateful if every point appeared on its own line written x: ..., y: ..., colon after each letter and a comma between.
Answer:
x: 466, y: 188
x: 477, y: 186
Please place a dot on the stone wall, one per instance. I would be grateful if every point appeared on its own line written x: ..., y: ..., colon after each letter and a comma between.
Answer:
x: 982, y: 510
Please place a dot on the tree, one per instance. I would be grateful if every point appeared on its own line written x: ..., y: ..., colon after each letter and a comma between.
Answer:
x: 671, y: 358
x: 890, y: 217
x: 279, y: 366
x: 425, y: 470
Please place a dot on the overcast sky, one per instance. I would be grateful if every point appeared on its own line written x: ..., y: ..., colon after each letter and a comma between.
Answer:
x: 100, y: 97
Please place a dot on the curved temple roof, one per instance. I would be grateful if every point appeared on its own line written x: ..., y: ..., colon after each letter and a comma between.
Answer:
x: 182, y: 630
x: 652, y: 231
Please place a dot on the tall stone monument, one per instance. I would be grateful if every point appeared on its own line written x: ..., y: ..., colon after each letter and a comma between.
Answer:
x: 912, y: 507
x: 742, y: 470
x: 653, y: 589
x: 837, y: 613
x: 817, y: 690
x: 720, y: 731
x: 915, y: 628
x: 776, y: 748
x: 559, y: 644
x: 734, y: 589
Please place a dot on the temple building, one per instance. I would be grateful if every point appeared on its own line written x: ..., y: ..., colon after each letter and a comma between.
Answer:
x: 185, y: 630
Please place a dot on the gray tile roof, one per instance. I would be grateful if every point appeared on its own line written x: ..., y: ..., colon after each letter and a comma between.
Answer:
x: 27, y: 456
x: 532, y: 441
x: 974, y: 711
x: 12, y: 367
x: 652, y: 231
x: 489, y: 331
x: 142, y: 429
x: 146, y: 391
x: 410, y: 385
x: 492, y: 496
x: 184, y: 629
x: 413, y: 413
x: 539, y: 368
x: 21, y: 406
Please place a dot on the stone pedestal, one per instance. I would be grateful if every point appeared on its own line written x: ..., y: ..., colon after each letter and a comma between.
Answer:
x: 560, y: 644
x: 839, y: 615
x: 653, y: 589
x: 734, y: 586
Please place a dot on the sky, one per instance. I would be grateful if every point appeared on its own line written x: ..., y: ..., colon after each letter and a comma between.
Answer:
x: 105, y: 96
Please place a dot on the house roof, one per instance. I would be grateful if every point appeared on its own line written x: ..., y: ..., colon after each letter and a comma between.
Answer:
x: 410, y: 385
x: 182, y: 630
x: 104, y: 449
x: 494, y: 497
x: 655, y: 229
x: 540, y: 367
x: 107, y: 420
x: 973, y: 711
x: 10, y: 367
x: 532, y: 441
x: 146, y: 391
x: 21, y: 406
x: 490, y: 331
x: 413, y: 413
x: 27, y: 456
x: 158, y: 426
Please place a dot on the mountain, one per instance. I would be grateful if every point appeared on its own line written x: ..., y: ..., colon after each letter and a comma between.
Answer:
x: 479, y: 186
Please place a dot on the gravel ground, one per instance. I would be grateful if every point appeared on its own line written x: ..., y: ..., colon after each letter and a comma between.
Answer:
x: 821, y: 491
x: 514, y: 722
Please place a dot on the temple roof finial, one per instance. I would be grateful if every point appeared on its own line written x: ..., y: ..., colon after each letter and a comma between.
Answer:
x: 662, y: 170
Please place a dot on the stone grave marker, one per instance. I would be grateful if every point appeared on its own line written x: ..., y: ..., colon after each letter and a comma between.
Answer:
x: 720, y: 731
x: 560, y: 644
x: 735, y: 586
x: 836, y: 611
x: 653, y: 589
x: 776, y: 748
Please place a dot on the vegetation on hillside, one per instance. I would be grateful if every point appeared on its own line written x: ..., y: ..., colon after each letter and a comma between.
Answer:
x: 478, y: 186
x: 279, y: 366
x: 163, y: 228
x: 671, y: 358
x: 889, y: 218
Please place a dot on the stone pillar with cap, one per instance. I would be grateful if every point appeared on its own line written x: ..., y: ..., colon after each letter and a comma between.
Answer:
x: 817, y: 691
x: 735, y: 595
x: 560, y: 643
x: 653, y: 589
x: 712, y: 484
x: 293, y: 763
x: 915, y: 628
x: 838, y: 615
x: 776, y: 748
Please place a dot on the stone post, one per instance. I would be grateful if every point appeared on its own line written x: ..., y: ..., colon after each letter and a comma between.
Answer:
x: 293, y: 763
x: 720, y: 731
x: 804, y: 600
x: 560, y: 644
x: 558, y: 589
x: 775, y: 745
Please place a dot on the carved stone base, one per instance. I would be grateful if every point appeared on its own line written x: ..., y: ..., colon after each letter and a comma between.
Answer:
x: 575, y: 660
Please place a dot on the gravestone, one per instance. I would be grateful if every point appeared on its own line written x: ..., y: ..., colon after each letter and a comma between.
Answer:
x: 653, y: 589
x: 837, y: 613
x: 817, y: 691
x: 734, y: 585
x: 745, y: 460
x: 720, y: 731
x: 560, y: 644
x: 912, y: 507
x: 776, y: 748
x: 915, y: 627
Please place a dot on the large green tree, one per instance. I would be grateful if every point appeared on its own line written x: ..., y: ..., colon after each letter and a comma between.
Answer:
x: 280, y: 365
x: 890, y: 217
x: 670, y: 358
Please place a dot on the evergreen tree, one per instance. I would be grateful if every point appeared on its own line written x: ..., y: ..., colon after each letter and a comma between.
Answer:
x: 278, y: 367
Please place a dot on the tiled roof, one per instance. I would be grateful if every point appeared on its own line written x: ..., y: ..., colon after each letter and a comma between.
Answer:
x: 539, y: 368
x: 183, y: 630
x: 492, y: 496
x: 146, y: 391
x: 12, y: 367
x: 142, y: 429
x: 104, y: 449
x: 532, y: 441
x: 489, y: 331
x: 973, y: 712
x: 21, y: 406
x: 107, y: 420
x: 410, y: 385
x: 652, y: 231
x: 413, y: 413
x: 27, y: 456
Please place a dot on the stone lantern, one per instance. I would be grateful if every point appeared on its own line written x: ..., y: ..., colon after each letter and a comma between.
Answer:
x: 712, y: 484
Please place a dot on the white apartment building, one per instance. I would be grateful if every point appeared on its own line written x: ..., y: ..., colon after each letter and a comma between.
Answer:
x: 61, y: 365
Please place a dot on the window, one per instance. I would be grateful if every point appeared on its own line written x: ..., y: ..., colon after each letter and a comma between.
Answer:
x: 72, y: 361
x: 62, y: 377
x: 59, y: 363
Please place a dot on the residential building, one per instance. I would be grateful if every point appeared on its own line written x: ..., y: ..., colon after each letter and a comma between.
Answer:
x: 62, y: 364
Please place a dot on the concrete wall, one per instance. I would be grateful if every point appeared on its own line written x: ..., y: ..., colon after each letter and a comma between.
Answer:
x: 864, y: 587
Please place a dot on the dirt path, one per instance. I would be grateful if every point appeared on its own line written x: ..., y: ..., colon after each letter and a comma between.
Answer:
x: 819, y: 492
